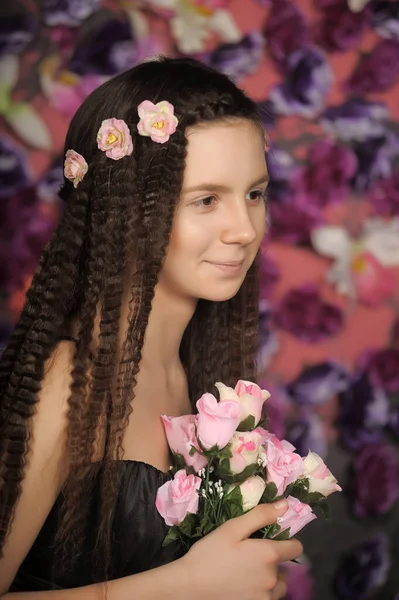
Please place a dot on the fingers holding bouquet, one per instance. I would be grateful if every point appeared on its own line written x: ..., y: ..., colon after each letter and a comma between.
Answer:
x: 229, y: 475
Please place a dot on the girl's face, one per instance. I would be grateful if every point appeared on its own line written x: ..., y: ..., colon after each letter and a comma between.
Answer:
x: 221, y: 216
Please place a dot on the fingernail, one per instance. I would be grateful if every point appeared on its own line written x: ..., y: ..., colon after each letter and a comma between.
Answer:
x: 280, y: 504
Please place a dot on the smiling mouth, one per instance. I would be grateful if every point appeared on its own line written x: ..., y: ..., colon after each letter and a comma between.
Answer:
x: 233, y: 263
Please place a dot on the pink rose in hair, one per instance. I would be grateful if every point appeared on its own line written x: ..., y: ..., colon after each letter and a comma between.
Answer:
x: 249, y: 395
x: 320, y: 477
x: 283, y: 465
x: 176, y: 498
x: 217, y: 421
x: 245, y: 450
x: 180, y: 432
x: 75, y: 167
x: 114, y: 139
x: 157, y: 121
x: 296, y: 516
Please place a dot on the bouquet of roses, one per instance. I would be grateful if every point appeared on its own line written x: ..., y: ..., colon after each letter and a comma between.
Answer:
x: 226, y: 462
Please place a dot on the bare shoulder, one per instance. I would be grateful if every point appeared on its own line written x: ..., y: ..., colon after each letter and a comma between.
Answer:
x: 45, y: 471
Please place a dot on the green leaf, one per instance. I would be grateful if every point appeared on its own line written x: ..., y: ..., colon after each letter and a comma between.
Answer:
x: 204, y: 527
x: 324, y: 509
x: 189, y: 524
x: 179, y: 462
x: 225, y: 453
x: 248, y: 424
x: 9, y: 71
x: 315, y: 498
x: 223, y: 471
x: 284, y: 535
x: 172, y: 535
x: 29, y: 125
x: 232, y: 503
x: 269, y: 494
x: 300, y: 489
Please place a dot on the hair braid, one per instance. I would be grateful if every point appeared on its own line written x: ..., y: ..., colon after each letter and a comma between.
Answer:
x: 42, y: 325
x: 157, y: 214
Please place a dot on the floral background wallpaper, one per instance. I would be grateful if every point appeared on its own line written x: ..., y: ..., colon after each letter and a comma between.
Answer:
x: 326, y: 76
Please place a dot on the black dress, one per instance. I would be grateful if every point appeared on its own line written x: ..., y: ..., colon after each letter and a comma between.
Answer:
x: 138, y: 531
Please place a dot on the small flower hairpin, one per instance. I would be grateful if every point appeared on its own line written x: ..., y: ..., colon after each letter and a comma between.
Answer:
x: 75, y: 167
x: 157, y: 121
x: 114, y: 139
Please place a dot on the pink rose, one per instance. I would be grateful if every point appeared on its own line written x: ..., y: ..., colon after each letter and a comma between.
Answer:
x: 180, y: 432
x: 283, y: 465
x: 245, y: 450
x: 249, y: 395
x: 251, y: 491
x: 217, y: 421
x: 265, y: 435
x: 176, y: 498
x: 157, y: 120
x: 320, y: 477
x: 296, y: 516
x: 75, y: 167
x: 373, y: 282
x: 114, y: 139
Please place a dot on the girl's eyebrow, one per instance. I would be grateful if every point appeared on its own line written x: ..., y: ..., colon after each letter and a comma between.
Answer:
x: 223, y: 188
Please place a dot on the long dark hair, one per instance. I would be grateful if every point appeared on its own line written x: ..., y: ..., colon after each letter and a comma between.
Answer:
x: 120, y: 214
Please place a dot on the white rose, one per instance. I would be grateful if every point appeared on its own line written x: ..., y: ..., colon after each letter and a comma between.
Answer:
x: 321, y: 479
x: 251, y: 491
x: 249, y: 395
x: 244, y: 447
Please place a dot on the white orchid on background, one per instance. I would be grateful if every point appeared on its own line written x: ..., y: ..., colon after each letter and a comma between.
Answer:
x: 361, y: 266
x: 357, y: 5
x: 192, y: 22
x: 20, y: 116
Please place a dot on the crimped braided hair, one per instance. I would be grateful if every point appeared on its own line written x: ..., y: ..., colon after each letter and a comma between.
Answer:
x: 120, y: 215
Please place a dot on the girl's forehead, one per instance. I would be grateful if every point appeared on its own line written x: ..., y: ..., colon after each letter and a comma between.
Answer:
x: 224, y: 149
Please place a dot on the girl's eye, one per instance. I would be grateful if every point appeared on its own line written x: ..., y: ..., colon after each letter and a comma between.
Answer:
x: 257, y: 195
x: 206, y: 202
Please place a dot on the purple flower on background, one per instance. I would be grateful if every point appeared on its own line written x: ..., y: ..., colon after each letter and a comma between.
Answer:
x: 364, y: 413
x: 13, y: 168
x: 382, y: 367
x: 267, y: 114
x: 269, y: 273
x: 17, y: 28
x: 395, y: 334
x: 375, y: 483
x: 317, y: 384
x: 340, y: 28
x: 49, y: 186
x: 363, y: 569
x: 384, y: 196
x: 306, y: 84
x: 299, y: 581
x: 268, y: 344
x: 393, y: 424
x: 356, y: 120
x: 327, y: 175
x: 293, y: 221
x: 68, y: 12
x: 24, y: 231
x: 385, y: 17
x: 276, y: 409
x: 375, y: 158
x: 307, y: 433
x: 307, y: 316
x: 107, y: 49
x: 287, y: 30
x: 240, y: 59
x: 377, y: 71
x: 281, y: 168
